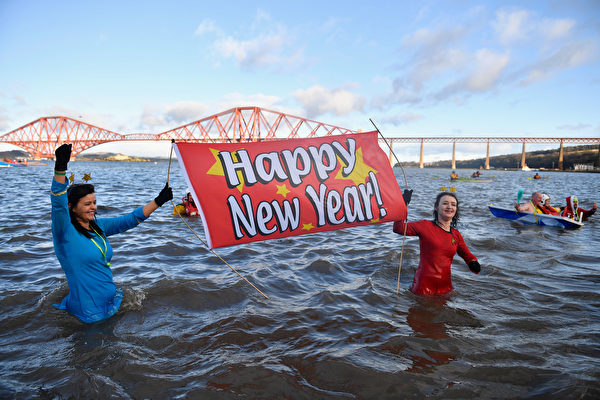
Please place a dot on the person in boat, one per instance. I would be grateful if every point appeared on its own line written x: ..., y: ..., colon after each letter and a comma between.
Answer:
x: 81, y: 243
x: 546, y: 208
x: 476, y: 174
x: 532, y: 206
x: 439, y: 241
x: 573, y: 211
x: 453, y: 176
x: 537, y: 176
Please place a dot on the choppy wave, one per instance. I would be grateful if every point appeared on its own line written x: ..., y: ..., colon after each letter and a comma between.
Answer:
x: 528, y: 326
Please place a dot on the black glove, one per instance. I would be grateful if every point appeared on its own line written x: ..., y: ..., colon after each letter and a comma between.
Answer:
x: 406, y: 195
x: 474, y: 266
x: 165, y: 195
x: 63, y: 155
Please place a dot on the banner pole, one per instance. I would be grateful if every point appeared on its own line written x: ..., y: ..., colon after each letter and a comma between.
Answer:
x: 406, y: 220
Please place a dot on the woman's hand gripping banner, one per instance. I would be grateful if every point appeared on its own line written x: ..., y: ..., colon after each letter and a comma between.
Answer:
x: 246, y: 192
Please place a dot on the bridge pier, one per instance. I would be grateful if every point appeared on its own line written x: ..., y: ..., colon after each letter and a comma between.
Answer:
x: 487, y: 156
x: 523, y: 165
x: 391, y: 156
x: 454, y: 155
x: 421, y: 156
x: 560, y: 157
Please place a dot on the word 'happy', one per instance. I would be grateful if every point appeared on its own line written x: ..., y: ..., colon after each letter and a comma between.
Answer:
x: 288, y: 165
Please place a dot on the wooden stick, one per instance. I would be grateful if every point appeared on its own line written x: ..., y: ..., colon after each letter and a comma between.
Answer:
x: 406, y: 220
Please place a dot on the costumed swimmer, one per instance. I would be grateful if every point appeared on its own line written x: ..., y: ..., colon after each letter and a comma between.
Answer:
x: 81, y: 243
x: 439, y: 241
x: 573, y: 211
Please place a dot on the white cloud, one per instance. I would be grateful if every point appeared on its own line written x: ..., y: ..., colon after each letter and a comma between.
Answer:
x: 261, y: 44
x: 436, y: 52
x: 512, y: 26
x: 207, y: 26
x: 318, y: 100
x: 185, y: 111
x: 169, y: 116
x: 261, y: 51
x: 568, y: 56
x: 260, y: 18
x: 553, y: 29
x: 488, y: 69
x: 152, y: 117
x: 455, y: 62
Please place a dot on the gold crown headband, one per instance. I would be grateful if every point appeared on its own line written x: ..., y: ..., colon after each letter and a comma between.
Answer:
x: 86, y: 177
x: 451, y: 188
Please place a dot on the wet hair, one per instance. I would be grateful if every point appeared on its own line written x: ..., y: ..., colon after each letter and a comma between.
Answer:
x: 74, y: 193
x: 437, y: 203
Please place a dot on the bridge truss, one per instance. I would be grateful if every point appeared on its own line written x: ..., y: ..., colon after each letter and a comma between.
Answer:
x: 241, y: 124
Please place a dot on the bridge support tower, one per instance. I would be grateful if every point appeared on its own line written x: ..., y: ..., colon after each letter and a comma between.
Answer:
x: 453, y: 155
x: 561, y: 165
x: 421, y: 155
x: 487, y: 156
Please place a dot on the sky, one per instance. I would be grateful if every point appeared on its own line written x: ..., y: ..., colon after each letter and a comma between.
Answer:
x: 416, y: 68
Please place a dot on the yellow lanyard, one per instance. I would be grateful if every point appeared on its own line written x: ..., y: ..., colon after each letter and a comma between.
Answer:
x: 534, y: 208
x: 100, y: 248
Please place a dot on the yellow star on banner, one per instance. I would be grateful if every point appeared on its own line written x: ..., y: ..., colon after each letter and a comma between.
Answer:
x: 282, y: 190
x: 87, y: 177
x: 360, y: 172
x: 452, y: 189
x: 72, y: 177
x: 307, y: 227
x: 217, y: 169
x: 443, y: 188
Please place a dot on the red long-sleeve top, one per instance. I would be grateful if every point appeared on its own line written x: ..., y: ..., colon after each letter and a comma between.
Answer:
x: 437, y: 249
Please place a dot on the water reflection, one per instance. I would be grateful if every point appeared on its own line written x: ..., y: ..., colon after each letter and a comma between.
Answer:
x: 426, y: 319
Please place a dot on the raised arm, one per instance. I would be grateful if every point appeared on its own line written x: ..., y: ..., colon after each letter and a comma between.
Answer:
x: 165, y: 195
x: 61, y: 160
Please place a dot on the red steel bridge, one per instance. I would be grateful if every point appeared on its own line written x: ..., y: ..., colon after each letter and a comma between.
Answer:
x: 241, y: 124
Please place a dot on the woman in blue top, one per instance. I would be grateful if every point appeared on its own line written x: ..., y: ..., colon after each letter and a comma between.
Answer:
x: 81, y: 244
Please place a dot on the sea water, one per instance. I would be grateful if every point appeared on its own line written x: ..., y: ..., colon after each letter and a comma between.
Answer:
x: 527, y: 326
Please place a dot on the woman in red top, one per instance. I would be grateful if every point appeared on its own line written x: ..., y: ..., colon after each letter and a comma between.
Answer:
x: 439, y: 241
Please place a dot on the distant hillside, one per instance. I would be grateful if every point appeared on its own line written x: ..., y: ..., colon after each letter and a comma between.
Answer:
x: 13, y: 154
x: 20, y: 154
x: 547, y: 159
x: 109, y: 157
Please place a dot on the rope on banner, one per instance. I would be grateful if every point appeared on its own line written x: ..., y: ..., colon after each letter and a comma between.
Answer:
x: 199, y: 238
x: 406, y: 220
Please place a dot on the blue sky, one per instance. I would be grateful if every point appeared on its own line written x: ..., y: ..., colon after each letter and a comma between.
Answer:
x: 430, y: 68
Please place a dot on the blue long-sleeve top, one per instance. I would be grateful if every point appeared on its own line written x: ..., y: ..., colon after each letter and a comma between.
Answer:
x: 93, y: 295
